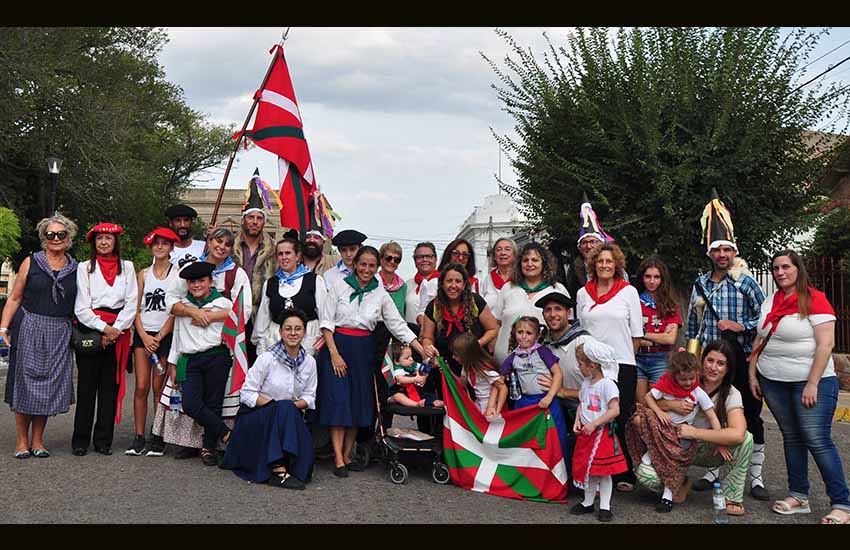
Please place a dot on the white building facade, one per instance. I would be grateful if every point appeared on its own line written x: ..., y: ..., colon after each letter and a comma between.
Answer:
x: 498, y: 217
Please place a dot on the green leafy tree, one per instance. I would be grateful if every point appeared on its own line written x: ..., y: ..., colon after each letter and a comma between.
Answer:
x: 647, y: 121
x: 97, y: 98
x: 10, y: 234
x: 832, y: 237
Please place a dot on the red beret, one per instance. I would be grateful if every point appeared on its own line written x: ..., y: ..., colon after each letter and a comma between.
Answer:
x: 163, y: 232
x: 104, y: 227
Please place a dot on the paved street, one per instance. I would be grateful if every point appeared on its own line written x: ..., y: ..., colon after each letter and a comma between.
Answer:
x: 123, y: 489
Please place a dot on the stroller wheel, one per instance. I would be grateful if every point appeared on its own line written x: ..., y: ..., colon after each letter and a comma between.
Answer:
x: 398, y: 473
x: 440, y: 473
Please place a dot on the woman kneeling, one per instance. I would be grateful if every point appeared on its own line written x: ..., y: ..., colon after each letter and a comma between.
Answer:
x: 270, y: 441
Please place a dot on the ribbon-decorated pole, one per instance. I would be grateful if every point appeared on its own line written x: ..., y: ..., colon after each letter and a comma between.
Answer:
x: 241, y: 133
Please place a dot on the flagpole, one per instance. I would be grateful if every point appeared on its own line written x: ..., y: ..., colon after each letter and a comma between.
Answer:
x: 242, y: 134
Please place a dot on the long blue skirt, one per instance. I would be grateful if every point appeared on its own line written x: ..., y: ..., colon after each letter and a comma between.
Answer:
x: 348, y: 400
x: 265, y: 436
x: 555, y: 410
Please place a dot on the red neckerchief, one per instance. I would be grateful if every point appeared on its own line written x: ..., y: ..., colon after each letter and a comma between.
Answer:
x: 122, y: 353
x: 108, y: 266
x: 789, y: 306
x: 452, y: 321
x: 498, y: 282
x: 419, y: 278
x: 668, y: 384
x: 395, y: 283
x: 473, y: 284
x: 593, y: 291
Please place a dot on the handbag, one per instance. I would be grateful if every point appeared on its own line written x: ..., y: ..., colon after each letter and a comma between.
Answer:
x: 85, y: 340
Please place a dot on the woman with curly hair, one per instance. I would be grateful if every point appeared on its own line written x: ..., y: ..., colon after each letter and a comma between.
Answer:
x: 534, y: 276
x: 609, y: 308
x: 661, y: 320
x: 460, y: 252
x: 455, y: 310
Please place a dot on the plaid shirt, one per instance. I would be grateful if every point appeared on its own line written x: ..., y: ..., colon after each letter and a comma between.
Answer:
x: 738, y: 301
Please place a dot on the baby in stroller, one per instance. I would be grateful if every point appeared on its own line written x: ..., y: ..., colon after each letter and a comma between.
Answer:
x: 408, y: 379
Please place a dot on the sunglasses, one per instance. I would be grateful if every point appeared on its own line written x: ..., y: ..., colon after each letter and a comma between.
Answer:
x: 424, y: 256
x: 396, y: 259
x: 56, y: 235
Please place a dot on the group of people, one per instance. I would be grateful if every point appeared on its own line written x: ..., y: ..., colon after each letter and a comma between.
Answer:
x: 630, y: 406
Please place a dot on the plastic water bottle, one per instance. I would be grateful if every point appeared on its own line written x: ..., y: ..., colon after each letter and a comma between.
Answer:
x: 4, y: 352
x: 174, y: 402
x: 424, y: 369
x: 719, y: 501
x: 513, y: 386
x: 157, y: 363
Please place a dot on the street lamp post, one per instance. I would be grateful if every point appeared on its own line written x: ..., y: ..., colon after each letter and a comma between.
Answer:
x: 53, y: 166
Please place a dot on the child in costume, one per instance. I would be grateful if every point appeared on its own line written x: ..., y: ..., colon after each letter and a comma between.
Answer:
x: 597, y: 455
x: 409, y: 377
x: 652, y: 434
x: 530, y: 359
x: 478, y: 369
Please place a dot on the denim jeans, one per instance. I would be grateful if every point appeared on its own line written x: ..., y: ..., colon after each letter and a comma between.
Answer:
x: 808, y: 430
x: 651, y: 366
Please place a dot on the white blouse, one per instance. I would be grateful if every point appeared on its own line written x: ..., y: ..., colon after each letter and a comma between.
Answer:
x: 336, y: 273
x: 615, y: 322
x: 489, y: 291
x: 178, y: 289
x: 193, y: 339
x: 416, y: 302
x: 267, y: 332
x: 339, y: 311
x: 93, y: 293
x: 278, y: 381
x: 513, y: 302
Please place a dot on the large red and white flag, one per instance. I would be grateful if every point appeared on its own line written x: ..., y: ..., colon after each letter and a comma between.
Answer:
x: 233, y: 335
x: 516, y: 454
x: 278, y: 128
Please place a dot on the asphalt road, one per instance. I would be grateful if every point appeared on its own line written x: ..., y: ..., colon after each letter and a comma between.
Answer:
x: 123, y: 489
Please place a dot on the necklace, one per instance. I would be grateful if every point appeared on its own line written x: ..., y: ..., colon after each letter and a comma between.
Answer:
x: 163, y: 273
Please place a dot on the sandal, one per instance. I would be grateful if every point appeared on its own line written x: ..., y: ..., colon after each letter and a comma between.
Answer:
x: 833, y: 519
x: 22, y: 454
x: 735, y: 509
x: 209, y: 457
x: 40, y: 453
x: 786, y: 509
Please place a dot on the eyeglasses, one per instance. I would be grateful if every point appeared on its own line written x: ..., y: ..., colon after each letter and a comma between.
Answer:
x: 56, y: 235
x: 395, y: 259
x: 588, y: 244
x: 424, y: 256
x: 460, y: 254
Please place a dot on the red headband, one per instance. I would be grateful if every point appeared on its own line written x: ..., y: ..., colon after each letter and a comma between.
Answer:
x: 104, y: 227
x: 163, y: 232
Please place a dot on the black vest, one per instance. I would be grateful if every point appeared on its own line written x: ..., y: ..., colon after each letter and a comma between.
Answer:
x: 305, y: 299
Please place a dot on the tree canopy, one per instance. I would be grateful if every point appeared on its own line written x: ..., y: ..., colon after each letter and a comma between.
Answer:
x: 646, y: 121
x: 10, y: 233
x: 97, y: 98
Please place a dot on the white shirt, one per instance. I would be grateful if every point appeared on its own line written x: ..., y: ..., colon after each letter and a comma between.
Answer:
x: 192, y: 339
x: 594, y: 398
x: 94, y: 293
x: 733, y: 401
x: 182, y: 256
x: 489, y: 291
x: 615, y: 322
x: 790, y: 353
x: 572, y: 377
x: 338, y: 311
x: 336, y: 273
x: 267, y: 332
x: 178, y: 289
x: 482, y: 386
x: 513, y: 302
x: 153, y: 312
x: 413, y: 301
x: 698, y: 397
x: 278, y: 381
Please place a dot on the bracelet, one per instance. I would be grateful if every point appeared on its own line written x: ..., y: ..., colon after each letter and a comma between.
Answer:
x: 2, y: 330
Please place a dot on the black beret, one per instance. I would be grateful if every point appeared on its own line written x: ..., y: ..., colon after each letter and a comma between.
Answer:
x: 179, y: 211
x: 555, y: 296
x: 197, y: 270
x: 348, y: 237
x: 292, y: 234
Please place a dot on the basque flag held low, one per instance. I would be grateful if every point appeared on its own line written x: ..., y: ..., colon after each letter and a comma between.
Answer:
x: 233, y: 336
x: 515, y: 455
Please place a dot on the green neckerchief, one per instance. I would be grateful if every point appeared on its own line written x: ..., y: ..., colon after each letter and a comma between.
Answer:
x: 214, y: 293
x: 180, y: 375
x: 539, y: 287
x: 358, y: 293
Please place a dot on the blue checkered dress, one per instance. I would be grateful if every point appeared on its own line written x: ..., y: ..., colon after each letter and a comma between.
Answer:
x: 738, y: 301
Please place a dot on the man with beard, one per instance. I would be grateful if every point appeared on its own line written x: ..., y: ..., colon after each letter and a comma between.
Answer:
x: 726, y: 303
x: 313, y: 255
x: 253, y: 251
x: 180, y: 220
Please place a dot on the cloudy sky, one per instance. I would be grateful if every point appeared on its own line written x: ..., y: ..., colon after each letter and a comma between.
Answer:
x: 397, y: 119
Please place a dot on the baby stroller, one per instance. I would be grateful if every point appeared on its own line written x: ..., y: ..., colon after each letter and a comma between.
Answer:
x: 389, y: 443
